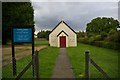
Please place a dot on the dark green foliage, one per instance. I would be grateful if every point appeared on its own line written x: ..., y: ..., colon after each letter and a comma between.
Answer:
x: 111, y: 32
x: 110, y: 45
x: 81, y: 34
x: 15, y: 13
x: 104, y: 35
x: 43, y: 34
x: 101, y: 25
x: 114, y: 36
x: 105, y: 44
x: 102, y: 32
x: 98, y: 38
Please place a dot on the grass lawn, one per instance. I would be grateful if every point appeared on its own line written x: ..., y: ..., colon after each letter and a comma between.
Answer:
x: 41, y: 42
x: 47, y: 59
x: 107, y: 59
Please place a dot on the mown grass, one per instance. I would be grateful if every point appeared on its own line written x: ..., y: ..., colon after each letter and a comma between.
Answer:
x: 107, y: 59
x: 20, y: 65
x: 47, y: 61
x: 37, y: 43
x: 41, y: 42
x: 47, y: 58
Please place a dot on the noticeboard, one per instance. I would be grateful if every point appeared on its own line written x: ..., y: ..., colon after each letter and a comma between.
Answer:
x: 22, y: 35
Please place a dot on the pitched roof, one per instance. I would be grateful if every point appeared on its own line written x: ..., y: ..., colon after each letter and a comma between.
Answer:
x: 61, y: 32
x: 65, y: 24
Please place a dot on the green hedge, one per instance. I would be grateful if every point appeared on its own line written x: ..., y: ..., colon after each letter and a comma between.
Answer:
x: 105, y: 44
x: 110, y: 45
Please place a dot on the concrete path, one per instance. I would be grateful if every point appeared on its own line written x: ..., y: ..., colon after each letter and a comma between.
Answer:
x: 63, y: 68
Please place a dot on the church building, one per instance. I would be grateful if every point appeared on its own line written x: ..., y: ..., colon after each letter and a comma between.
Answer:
x: 63, y: 36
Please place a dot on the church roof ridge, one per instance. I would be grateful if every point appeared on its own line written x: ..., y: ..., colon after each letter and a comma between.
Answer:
x: 65, y: 24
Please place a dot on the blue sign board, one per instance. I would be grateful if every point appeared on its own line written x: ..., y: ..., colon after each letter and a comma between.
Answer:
x: 22, y: 35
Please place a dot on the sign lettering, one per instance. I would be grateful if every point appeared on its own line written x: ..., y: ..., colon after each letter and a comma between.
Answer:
x: 22, y: 34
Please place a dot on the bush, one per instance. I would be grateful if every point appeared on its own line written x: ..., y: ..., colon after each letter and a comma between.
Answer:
x: 110, y: 45
x: 83, y: 40
x: 103, y: 35
x: 95, y: 40
x: 98, y: 38
x: 91, y: 40
x: 111, y: 32
x: 114, y: 37
x: 105, y: 44
x: 98, y: 43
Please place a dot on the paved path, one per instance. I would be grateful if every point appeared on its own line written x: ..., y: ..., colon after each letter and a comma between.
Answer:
x: 62, y: 68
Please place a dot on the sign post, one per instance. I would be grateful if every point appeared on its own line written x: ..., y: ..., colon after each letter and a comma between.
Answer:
x: 21, y: 34
x: 13, y: 59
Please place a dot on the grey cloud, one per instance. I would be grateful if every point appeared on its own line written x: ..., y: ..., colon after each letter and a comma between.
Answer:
x: 76, y: 14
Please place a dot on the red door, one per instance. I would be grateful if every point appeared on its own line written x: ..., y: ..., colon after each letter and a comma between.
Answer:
x: 62, y: 41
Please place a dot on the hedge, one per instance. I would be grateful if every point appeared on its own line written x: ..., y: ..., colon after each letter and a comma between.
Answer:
x: 105, y: 44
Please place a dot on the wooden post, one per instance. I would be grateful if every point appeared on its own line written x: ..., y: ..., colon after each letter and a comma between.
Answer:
x: 15, y: 39
x: 87, y: 65
x: 37, y: 65
x: 13, y: 61
x: 33, y: 50
x: 13, y: 57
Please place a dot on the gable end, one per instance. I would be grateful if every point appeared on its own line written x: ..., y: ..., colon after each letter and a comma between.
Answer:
x: 69, y: 27
x: 55, y: 27
x: 61, y: 32
x: 65, y: 24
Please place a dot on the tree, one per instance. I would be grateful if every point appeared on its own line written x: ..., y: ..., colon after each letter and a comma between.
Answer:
x: 15, y: 13
x: 81, y: 34
x: 43, y: 34
x: 101, y: 26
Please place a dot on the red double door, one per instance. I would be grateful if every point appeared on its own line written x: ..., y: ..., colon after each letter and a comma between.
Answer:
x: 63, y: 41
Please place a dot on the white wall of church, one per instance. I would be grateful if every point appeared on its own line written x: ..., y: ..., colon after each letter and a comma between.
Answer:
x: 71, y: 39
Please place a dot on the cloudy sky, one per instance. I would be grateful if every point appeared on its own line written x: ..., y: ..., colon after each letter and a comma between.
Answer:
x: 76, y: 14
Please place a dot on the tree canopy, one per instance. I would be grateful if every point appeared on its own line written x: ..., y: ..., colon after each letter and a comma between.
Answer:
x: 43, y: 34
x: 15, y: 13
x: 102, y: 25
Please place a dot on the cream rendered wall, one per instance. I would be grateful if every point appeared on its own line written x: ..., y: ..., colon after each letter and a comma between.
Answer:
x: 53, y: 40
x: 71, y: 39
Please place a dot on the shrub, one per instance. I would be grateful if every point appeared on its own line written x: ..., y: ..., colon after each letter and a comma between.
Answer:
x: 105, y: 44
x: 110, y: 45
x: 83, y: 40
x: 91, y: 40
x: 111, y: 32
x: 98, y: 43
x: 103, y: 35
x: 114, y: 37
x: 97, y: 38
